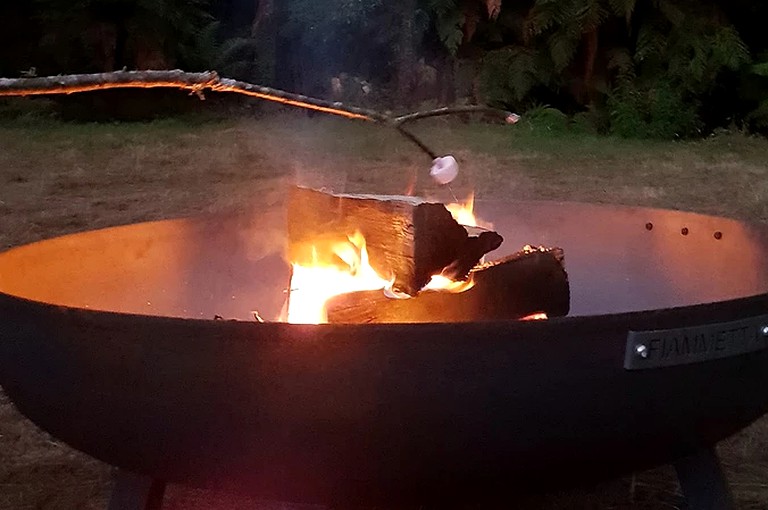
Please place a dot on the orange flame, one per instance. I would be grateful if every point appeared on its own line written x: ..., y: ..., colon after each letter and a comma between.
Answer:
x: 441, y: 283
x: 535, y: 317
x: 464, y: 213
x: 314, y: 284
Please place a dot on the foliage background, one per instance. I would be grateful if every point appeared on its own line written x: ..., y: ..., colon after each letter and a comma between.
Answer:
x: 636, y: 68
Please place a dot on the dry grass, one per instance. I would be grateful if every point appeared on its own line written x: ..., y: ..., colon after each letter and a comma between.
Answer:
x: 58, y: 178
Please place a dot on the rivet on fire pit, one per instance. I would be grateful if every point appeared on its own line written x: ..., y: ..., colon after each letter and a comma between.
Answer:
x: 642, y: 350
x: 718, y: 235
x: 649, y: 226
x: 684, y: 231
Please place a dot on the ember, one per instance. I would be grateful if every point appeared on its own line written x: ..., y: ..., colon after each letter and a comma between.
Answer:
x: 535, y: 317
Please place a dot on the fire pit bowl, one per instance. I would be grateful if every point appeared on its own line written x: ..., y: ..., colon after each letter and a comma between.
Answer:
x: 107, y: 342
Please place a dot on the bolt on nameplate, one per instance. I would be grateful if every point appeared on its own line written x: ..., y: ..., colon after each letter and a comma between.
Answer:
x: 670, y: 347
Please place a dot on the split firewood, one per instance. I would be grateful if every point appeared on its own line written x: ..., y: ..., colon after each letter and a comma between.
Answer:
x: 528, y: 282
x: 407, y: 238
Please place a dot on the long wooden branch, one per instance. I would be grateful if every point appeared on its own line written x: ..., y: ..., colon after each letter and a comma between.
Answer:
x: 198, y: 83
x: 509, y: 117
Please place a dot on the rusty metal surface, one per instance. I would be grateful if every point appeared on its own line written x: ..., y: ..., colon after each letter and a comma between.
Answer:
x: 378, y: 413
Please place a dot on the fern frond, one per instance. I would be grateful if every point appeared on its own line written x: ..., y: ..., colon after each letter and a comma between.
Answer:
x: 591, y: 16
x: 543, y: 16
x: 620, y: 60
x: 623, y: 8
x: 759, y: 116
x: 562, y: 48
x: 698, y: 65
x: 441, y: 7
x: 729, y: 49
x: 449, y: 29
x: 510, y: 73
x: 760, y: 69
x: 670, y: 11
x: 650, y: 43
x: 544, y: 69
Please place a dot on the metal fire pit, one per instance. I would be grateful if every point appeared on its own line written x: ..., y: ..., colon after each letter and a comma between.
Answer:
x: 107, y: 342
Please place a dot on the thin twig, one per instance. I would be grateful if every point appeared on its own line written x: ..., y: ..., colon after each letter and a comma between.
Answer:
x: 410, y: 136
x: 198, y: 83
x: 402, y: 119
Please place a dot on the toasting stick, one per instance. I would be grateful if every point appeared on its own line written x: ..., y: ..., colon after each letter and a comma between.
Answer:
x: 445, y: 168
x: 443, y: 171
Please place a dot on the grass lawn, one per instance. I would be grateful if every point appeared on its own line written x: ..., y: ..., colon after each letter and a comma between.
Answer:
x: 57, y: 178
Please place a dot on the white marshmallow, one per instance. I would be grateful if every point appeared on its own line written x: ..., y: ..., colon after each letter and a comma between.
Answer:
x: 444, y: 169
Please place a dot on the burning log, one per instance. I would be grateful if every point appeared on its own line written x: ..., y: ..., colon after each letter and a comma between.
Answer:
x: 527, y: 282
x: 407, y: 238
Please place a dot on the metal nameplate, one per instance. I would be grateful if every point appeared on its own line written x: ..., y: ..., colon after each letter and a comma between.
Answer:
x: 681, y: 346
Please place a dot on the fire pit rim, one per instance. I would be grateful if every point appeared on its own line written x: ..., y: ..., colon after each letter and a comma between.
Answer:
x: 477, y: 201
x: 635, y: 317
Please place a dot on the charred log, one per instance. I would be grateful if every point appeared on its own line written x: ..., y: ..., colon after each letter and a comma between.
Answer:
x: 470, y: 253
x: 406, y: 237
x: 528, y: 282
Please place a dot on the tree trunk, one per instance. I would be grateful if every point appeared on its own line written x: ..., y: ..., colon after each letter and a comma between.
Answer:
x: 264, y: 26
x: 263, y: 11
x: 121, y: 44
x: 406, y: 52
x: 446, y: 76
x: 589, y: 65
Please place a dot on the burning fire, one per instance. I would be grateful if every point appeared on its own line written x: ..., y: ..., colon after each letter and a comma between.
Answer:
x: 314, y: 284
x: 464, y: 213
x: 443, y: 284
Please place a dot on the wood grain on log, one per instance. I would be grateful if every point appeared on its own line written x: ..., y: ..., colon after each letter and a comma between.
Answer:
x: 528, y: 282
x: 406, y: 237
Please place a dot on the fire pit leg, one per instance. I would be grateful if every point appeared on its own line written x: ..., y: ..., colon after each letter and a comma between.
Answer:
x: 703, y: 482
x: 135, y: 492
